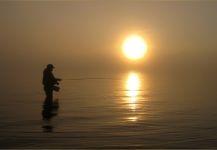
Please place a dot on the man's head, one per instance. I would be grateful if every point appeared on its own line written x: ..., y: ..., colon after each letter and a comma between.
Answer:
x: 50, y: 67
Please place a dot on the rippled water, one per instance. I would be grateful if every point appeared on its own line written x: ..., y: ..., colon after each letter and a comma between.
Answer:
x: 129, y: 110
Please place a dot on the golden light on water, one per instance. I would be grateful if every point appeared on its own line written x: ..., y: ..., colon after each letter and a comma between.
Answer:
x: 135, y: 97
x: 134, y: 47
x: 132, y: 92
x: 133, y: 119
x: 132, y: 86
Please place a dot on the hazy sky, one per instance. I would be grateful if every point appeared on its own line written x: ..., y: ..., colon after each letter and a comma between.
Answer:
x: 87, y: 34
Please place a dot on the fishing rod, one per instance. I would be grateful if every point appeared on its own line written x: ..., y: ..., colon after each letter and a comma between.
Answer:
x: 94, y: 78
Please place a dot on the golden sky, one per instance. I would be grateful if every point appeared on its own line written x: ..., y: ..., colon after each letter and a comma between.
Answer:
x: 86, y: 34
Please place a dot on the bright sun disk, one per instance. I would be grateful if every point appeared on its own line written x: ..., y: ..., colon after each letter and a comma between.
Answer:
x: 134, y: 47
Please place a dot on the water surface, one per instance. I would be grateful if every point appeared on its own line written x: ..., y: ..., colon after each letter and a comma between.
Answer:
x: 127, y: 110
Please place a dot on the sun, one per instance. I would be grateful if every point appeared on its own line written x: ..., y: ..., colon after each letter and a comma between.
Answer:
x: 134, y: 47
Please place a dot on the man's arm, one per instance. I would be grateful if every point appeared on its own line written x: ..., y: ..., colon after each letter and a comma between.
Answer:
x: 58, y: 79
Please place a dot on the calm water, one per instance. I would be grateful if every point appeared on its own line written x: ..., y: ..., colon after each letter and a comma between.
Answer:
x: 128, y: 110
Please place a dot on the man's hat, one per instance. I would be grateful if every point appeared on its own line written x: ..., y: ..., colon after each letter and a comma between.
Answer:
x: 50, y: 66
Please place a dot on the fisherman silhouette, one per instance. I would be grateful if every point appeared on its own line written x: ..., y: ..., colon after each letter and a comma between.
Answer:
x: 50, y: 82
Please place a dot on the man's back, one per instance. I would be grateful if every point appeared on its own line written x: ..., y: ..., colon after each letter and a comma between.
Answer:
x: 48, y: 78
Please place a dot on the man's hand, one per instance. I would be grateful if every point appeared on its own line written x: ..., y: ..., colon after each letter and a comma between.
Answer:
x: 58, y: 79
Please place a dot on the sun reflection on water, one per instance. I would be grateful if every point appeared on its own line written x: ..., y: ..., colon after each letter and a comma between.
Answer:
x: 132, y: 90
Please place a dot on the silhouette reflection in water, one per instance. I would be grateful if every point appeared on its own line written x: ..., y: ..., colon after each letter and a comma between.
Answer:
x: 50, y: 109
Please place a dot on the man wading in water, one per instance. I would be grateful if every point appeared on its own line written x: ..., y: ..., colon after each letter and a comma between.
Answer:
x: 50, y: 107
x: 49, y: 82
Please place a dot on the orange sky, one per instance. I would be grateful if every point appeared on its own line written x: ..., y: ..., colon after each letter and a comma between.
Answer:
x: 88, y: 34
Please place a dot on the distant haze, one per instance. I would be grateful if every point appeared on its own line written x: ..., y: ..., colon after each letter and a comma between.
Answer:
x: 87, y: 34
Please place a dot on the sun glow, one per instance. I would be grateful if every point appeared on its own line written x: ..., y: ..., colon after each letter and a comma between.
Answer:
x: 135, y: 47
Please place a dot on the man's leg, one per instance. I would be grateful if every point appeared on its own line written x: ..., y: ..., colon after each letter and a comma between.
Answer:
x: 49, y: 94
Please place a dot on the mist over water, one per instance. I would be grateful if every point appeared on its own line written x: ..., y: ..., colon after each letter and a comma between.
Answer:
x: 166, y: 100
x: 117, y: 110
